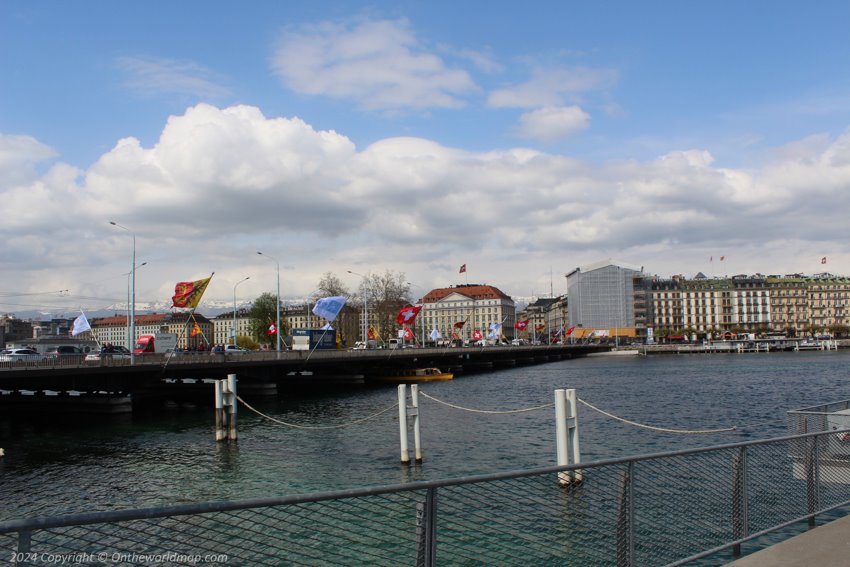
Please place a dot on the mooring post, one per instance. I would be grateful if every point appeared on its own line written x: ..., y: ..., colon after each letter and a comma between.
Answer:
x: 566, y: 435
x: 402, y: 423
x: 219, y: 411
x: 414, y: 399
x: 231, y: 394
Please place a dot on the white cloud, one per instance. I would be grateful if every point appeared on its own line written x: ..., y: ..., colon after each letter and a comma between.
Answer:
x: 379, y: 64
x: 221, y: 183
x: 553, y: 123
x: 551, y: 86
x: 153, y: 76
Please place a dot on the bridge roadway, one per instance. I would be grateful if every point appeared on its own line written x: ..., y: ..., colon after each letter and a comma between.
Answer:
x: 118, y: 376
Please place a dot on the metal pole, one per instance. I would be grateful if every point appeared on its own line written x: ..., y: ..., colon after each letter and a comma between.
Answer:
x: 278, y: 296
x: 417, y: 444
x: 234, y: 308
x: 231, y: 396
x: 561, y: 438
x: 132, y: 307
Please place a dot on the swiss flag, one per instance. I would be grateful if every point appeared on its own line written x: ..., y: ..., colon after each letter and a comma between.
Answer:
x: 408, y: 334
x: 272, y: 330
x: 408, y: 314
x: 570, y: 330
x: 477, y: 335
x: 521, y: 325
x: 462, y: 269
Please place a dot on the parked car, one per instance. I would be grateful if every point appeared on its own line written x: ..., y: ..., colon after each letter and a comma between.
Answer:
x: 228, y: 349
x: 20, y: 355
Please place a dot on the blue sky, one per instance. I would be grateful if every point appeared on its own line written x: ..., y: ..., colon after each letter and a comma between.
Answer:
x: 523, y: 140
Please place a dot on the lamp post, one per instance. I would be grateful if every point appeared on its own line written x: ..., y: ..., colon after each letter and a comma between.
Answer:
x: 277, y: 264
x: 234, y: 306
x: 132, y: 314
x: 365, y: 312
x: 130, y: 339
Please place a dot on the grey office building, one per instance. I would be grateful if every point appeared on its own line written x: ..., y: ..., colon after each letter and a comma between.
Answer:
x: 602, y: 295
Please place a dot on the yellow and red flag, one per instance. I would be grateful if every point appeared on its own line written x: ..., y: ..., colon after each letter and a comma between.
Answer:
x: 188, y: 294
x: 196, y: 330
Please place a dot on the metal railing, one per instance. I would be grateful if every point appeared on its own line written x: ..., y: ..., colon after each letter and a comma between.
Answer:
x: 668, y: 508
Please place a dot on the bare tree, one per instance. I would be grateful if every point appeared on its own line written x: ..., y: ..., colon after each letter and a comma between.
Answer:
x: 385, y: 293
x: 330, y: 285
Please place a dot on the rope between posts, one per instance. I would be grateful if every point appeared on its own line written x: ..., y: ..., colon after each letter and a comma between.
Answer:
x: 652, y: 427
x: 483, y: 411
x: 355, y: 422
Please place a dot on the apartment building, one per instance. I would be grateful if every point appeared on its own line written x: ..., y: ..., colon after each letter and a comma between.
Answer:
x: 476, y: 306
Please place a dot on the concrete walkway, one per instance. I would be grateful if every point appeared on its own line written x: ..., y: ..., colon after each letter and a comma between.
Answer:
x: 825, y: 546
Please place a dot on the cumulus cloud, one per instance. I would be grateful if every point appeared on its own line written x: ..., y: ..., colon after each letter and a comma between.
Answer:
x: 153, y: 76
x: 221, y: 183
x: 379, y: 64
x: 553, y: 123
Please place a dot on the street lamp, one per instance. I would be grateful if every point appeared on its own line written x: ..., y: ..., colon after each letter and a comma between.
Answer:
x: 278, y: 296
x: 365, y: 312
x: 133, y: 298
x: 130, y: 338
x: 234, y: 306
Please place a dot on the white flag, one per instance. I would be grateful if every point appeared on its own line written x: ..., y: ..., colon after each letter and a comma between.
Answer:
x: 435, y: 334
x: 329, y: 307
x: 80, y: 325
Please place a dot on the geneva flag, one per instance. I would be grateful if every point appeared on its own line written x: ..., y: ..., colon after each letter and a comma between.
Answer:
x: 188, y: 294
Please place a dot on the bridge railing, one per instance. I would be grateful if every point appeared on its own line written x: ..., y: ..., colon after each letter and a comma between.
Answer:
x: 668, y: 508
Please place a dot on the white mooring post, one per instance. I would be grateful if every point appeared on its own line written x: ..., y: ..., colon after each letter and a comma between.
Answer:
x: 405, y: 411
x: 566, y: 428
x: 225, y: 408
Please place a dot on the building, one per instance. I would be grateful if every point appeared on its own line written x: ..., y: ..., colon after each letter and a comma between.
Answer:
x: 223, y: 326
x: 114, y: 329
x: 14, y: 330
x: 604, y: 296
x: 463, y: 309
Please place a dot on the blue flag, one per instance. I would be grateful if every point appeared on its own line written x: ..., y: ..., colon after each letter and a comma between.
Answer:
x: 329, y: 307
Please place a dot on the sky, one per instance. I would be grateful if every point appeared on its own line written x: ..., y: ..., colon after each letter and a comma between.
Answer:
x: 523, y: 140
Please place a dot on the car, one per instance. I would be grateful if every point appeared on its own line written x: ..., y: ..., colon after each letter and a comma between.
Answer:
x: 21, y: 355
x: 228, y: 349
x: 109, y: 353
x: 63, y: 350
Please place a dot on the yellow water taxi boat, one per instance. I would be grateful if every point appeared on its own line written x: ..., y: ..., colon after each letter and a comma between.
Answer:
x: 415, y: 375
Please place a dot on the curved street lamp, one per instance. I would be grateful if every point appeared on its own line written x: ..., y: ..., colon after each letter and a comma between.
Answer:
x: 132, y: 314
x: 234, y: 306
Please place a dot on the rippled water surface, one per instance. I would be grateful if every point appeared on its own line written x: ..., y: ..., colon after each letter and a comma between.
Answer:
x: 169, y: 455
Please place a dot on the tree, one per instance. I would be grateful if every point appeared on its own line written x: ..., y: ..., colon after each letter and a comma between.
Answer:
x: 262, y: 312
x: 346, y: 323
x: 330, y: 286
x: 385, y: 293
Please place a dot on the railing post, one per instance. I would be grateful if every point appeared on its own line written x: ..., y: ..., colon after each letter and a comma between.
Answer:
x: 426, y: 530
x: 740, y: 508
x: 812, y: 480
x: 566, y: 435
x: 417, y: 439
x: 626, y: 519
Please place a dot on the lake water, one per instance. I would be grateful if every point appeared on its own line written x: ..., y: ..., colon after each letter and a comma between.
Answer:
x: 169, y: 455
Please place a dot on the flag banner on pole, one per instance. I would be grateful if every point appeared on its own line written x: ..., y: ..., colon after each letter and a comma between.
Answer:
x: 188, y: 294
x: 327, y: 327
x: 272, y: 329
x: 539, y: 327
x: 462, y: 269
x: 455, y: 337
x: 80, y: 325
x: 570, y: 330
x: 371, y: 335
x: 196, y: 330
x: 477, y: 335
x: 408, y: 314
x: 329, y: 307
x: 495, y: 331
x: 408, y: 334
x: 435, y: 335
x: 460, y: 324
x: 522, y: 325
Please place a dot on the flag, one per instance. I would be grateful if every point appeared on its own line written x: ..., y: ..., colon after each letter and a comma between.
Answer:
x: 460, y: 324
x: 371, y: 334
x: 408, y: 334
x: 722, y: 258
x: 522, y: 325
x: 539, y: 327
x: 462, y: 269
x: 329, y: 307
x: 455, y: 337
x: 327, y: 327
x: 188, y: 294
x: 823, y: 260
x: 408, y: 314
x: 196, y: 330
x: 477, y: 335
x: 495, y: 331
x: 435, y: 335
x: 560, y: 330
x: 80, y: 325
x: 272, y: 329
x: 570, y: 330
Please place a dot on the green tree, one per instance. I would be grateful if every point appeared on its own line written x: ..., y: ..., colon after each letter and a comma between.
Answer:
x: 262, y: 312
